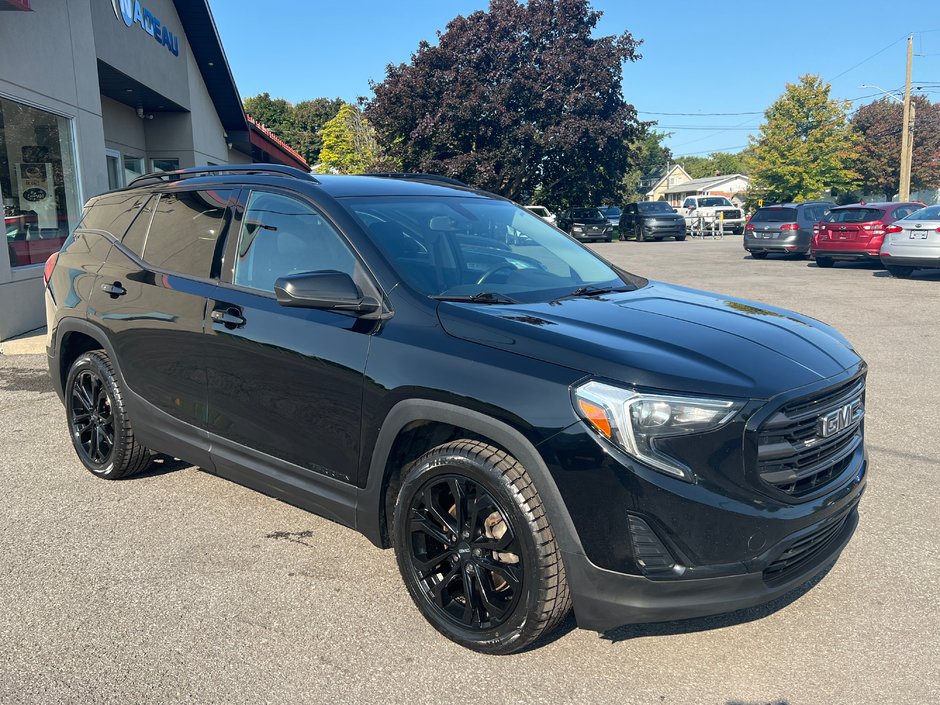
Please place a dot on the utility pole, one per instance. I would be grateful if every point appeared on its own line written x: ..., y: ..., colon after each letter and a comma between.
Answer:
x: 907, y: 142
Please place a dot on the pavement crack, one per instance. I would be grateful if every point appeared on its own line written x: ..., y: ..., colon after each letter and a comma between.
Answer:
x: 292, y: 536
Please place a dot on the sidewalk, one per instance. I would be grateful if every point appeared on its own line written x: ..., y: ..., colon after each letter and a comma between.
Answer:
x: 30, y: 343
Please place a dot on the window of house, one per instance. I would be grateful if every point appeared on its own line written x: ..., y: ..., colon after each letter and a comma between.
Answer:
x: 185, y: 230
x: 38, y: 182
x: 133, y: 167
x: 165, y: 164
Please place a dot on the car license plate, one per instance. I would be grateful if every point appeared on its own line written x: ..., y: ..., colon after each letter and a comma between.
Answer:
x: 918, y: 235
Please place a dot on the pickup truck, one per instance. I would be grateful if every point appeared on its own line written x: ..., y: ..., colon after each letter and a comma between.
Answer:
x: 711, y: 209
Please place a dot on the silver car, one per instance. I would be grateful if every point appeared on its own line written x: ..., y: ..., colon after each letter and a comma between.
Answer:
x: 913, y: 243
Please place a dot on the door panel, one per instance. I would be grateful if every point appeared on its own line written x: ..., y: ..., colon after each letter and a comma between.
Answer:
x: 285, y: 382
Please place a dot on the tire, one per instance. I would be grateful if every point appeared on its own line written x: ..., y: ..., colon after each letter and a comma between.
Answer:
x: 680, y: 238
x: 607, y: 239
x: 98, y: 423
x: 517, y: 588
x: 759, y: 255
x: 825, y: 262
x: 899, y: 272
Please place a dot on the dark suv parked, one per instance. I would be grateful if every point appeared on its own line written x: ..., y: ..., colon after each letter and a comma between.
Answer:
x: 784, y: 229
x: 529, y: 427
x: 651, y: 220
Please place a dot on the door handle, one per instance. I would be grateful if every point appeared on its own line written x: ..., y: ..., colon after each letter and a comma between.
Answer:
x: 114, y: 290
x: 231, y: 317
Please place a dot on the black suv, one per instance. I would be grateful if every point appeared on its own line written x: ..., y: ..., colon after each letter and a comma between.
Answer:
x: 531, y: 428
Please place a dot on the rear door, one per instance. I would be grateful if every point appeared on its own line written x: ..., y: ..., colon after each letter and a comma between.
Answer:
x: 151, y: 297
x: 853, y: 227
x: 285, y: 384
x: 767, y: 221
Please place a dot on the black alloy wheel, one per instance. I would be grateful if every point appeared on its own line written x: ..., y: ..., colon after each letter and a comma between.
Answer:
x: 91, y: 419
x: 476, y: 550
x: 465, y: 552
x: 98, y: 422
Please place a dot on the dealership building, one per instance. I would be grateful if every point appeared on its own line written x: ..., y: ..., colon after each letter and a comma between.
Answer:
x: 92, y: 94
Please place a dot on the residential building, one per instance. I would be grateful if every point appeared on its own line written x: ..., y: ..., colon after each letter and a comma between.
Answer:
x: 731, y: 186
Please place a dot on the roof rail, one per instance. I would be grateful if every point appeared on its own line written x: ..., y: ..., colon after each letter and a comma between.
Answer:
x: 193, y: 172
x: 414, y: 176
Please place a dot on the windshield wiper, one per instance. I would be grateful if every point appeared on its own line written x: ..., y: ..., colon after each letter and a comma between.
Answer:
x: 593, y: 291
x: 483, y: 297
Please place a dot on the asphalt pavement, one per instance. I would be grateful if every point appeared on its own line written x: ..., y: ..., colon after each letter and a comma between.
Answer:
x: 177, y: 586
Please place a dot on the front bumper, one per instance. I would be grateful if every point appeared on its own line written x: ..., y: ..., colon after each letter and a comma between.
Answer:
x: 604, y: 599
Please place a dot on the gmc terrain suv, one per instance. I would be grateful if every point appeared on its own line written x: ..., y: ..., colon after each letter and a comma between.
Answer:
x: 531, y: 428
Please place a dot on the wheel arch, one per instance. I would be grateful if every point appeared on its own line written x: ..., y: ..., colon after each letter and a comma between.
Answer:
x: 74, y: 336
x: 404, y: 417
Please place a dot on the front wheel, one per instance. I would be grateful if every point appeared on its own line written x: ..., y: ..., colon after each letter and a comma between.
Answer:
x: 98, y: 423
x: 476, y: 551
x: 680, y: 238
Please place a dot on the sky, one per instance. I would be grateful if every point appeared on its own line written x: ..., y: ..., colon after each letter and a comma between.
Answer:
x: 697, y: 57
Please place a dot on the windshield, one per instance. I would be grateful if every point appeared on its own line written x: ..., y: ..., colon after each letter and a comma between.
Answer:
x: 854, y: 215
x: 461, y: 246
x: 654, y: 207
x: 611, y: 212
x: 774, y: 215
x: 929, y: 213
x: 587, y: 214
x: 714, y: 202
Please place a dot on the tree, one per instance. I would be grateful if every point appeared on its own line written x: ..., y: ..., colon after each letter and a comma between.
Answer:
x: 648, y: 155
x: 879, y: 124
x: 518, y: 99
x: 806, y: 148
x: 274, y: 113
x: 309, y: 117
x: 349, y: 142
x: 715, y: 163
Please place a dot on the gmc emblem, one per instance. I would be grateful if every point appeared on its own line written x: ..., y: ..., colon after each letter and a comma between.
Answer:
x: 841, y: 418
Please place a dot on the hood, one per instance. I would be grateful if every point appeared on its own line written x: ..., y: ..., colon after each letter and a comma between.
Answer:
x: 664, y: 337
x: 660, y: 216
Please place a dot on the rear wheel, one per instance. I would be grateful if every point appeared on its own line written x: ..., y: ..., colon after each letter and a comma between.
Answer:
x: 98, y: 423
x: 476, y: 551
x: 759, y: 255
x: 899, y: 272
x: 680, y: 238
x: 825, y: 262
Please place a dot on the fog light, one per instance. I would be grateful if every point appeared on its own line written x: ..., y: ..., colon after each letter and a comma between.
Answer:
x: 650, y: 554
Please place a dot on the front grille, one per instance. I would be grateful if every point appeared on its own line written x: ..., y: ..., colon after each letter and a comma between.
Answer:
x: 732, y: 215
x: 803, y: 550
x: 792, y: 453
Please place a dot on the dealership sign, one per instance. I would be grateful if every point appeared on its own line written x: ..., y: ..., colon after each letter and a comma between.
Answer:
x: 131, y: 13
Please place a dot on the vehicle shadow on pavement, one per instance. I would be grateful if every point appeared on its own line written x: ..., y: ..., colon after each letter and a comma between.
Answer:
x: 922, y: 275
x: 701, y: 624
x: 161, y: 465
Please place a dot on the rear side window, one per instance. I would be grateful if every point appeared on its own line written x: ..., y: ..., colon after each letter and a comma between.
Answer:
x: 905, y: 211
x: 113, y: 213
x: 136, y: 235
x: 855, y: 215
x: 929, y: 213
x: 774, y: 215
x: 185, y: 231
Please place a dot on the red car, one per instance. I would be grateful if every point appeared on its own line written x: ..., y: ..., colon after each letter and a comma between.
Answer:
x: 855, y: 232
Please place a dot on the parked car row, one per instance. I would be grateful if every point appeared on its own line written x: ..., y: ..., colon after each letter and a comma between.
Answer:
x: 903, y: 236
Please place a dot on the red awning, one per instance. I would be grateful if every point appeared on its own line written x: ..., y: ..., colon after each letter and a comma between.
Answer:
x: 277, y: 150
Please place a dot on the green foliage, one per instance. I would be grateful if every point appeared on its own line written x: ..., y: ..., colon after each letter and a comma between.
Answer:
x: 879, y: 124
x: 647, y: 155
x: 276, y: 114
x: 806, y: 148
x: 715, y: 163
x: 518, y: 99
x: 298, y: 125
x: 349, y: 143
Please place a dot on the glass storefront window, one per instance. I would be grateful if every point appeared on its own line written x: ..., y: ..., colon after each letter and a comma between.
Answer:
x: 38, y: 182
x: 165, y: 164
x: 133, y: 167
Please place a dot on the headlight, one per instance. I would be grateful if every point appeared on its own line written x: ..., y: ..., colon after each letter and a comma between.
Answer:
x: 634, y: 421
x: 578, y: 229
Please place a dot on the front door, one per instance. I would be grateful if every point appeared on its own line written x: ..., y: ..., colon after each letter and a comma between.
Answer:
x: 285, y: 384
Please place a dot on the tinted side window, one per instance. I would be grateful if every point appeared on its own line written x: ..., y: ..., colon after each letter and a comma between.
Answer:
x: 113, y: 213
x: 136, y: 235
x: 904, y: 211
x: 775, y: 215
x: 185, y: 231
x: 280, y: 236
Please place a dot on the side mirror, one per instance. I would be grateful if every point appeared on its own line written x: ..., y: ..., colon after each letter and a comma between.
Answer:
x: 327, y: 291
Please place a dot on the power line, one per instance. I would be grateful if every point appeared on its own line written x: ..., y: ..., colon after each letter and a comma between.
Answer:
x: 877, y: 53
x: 710, y: 151
x: 650, y: 112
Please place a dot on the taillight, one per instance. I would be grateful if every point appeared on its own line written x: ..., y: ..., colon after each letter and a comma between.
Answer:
x: 893, y: 229
x: 748, y: 227
x: 790, y: 226
x: 817, y: 228
x: 50, y: 265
